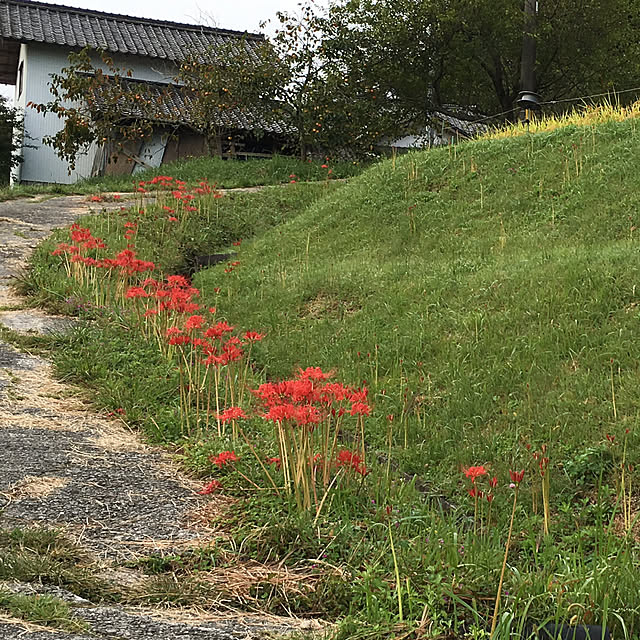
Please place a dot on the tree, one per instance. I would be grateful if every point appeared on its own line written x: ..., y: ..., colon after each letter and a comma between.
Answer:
x: 11, y: 134
x: 234, y: 84
x: 427, y: 54
x: 330, y: 107
x: 293, y: 83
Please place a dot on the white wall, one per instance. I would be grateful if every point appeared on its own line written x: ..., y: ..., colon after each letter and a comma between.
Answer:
x: 41, y: 164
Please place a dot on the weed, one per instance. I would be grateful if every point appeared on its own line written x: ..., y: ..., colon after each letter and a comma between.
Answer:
x: 41, y: 609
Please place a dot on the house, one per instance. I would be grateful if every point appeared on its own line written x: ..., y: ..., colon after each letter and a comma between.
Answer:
x: 35, y: 41
x: 445, y: 126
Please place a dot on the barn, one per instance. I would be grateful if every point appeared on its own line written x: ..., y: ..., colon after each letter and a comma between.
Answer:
x: 35, y: 41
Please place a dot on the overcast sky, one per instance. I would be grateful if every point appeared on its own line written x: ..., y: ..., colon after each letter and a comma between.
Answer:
x: 240, y: 15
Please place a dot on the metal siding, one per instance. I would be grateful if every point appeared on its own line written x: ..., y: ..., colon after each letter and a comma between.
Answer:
x: 41, y: 164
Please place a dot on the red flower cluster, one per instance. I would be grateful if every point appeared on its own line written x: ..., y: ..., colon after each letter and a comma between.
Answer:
x: 214, y: 342
x: 309, y: 398
x: 212, y: 486
x: 232, y: 413
x: 224, y: 458
x: 475, y: 472
x: 83, y: 241
x: 176, y: 294
x: 352, y: 461
x: 178, y: 188
x: 131, y: 229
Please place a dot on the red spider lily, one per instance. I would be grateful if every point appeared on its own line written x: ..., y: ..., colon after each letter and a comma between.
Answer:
x: 474, y: 492
x: 475, y: 472
x: 276, y: 461
x: 214, y: 485
x: 178, y: 281
x: 516, y: 476
x: 224, y: 458
x: 360, y: 408
x: 493, y: 483
x: 218, y: 330
x: 359, y: 395
x: 610, y: 438
x: 351, y: 460
x: 217, y: 361
x: 252, y: 336
x: 237, y: 243
x: 194, y: 322
x: 232, y: 413
x: 314, y: 373
x: 334, y: 391
x: 136, y: 292
x: 543, y: 464
x: 65, y: 248
x: 490, y: 498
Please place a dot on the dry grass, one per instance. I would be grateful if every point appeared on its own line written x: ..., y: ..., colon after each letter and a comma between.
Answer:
x: 328, y: 305
x: 35, y: 487
x: 587, y: 115
x: 114, y: 438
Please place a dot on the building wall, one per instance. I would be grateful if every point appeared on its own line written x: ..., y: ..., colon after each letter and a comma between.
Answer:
x: 41, y: 164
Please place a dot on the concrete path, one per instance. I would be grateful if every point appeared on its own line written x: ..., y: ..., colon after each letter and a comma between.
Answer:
x: 65, y: 467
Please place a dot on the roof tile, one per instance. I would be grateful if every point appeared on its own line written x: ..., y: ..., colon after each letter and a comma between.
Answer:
x: 31, y: 21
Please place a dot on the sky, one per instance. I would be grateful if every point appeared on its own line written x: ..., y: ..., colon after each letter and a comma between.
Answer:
x: 239, y: 15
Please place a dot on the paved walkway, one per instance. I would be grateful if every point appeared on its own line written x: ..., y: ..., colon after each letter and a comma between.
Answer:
x: 65, y: 467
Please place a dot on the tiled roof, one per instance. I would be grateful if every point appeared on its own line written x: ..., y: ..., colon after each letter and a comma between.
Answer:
x: 174, y: 105
x: 27, y: 21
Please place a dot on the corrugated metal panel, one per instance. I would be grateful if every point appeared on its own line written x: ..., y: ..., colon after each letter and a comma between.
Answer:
x: 41, y: 164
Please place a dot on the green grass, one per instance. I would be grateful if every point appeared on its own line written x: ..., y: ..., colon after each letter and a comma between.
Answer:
x: 227, y: 174
x: 47, y: 557
x: 488, y: 294
x: 42, y: 610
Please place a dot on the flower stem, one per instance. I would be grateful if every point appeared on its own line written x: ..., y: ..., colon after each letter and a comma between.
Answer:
x: 494, y: 622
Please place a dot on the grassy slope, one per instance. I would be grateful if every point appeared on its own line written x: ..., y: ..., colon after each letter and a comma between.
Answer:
x: 498, y: 279
x: 483, y: 293
x: 227, y: 174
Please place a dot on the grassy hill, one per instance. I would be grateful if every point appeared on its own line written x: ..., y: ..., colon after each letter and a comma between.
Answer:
x: 488, y: 296
x: 489, y: 289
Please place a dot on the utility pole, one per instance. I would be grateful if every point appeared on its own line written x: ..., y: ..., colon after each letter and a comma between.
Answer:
x: 528, y: 98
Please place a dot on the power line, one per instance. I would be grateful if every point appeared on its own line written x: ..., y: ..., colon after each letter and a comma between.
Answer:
x: 496, y: 115
x: 595, y: 95
x: 549, y: 102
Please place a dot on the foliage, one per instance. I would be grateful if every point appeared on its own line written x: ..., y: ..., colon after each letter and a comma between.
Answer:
x: 329, y: 106
x: 41, y: 609
x: 97, y: 105
x: 11, y: 133
x: 427, y: 55
x: 230, y: 82
x: 487, y: 294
